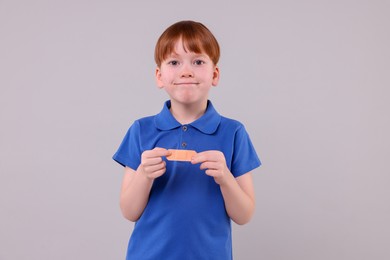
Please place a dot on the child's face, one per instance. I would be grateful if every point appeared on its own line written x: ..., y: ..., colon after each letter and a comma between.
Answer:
x: 187, y: 77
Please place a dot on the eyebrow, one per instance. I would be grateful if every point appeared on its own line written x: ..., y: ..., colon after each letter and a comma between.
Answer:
x: 198, y: 55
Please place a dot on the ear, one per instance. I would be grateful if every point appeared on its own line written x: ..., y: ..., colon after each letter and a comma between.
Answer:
x: 158, y: 78
x: 215, y: 76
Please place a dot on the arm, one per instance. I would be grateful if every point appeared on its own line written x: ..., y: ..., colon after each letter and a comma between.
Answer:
x: 238, y: 193
x: 239, y: 198
x: 136, y: 185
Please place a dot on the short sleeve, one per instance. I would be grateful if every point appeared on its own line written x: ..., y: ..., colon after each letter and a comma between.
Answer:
x: 129, y: 151
x: 245, y: 158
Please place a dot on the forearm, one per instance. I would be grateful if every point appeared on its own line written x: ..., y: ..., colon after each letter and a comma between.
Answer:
x: 239, y: 205
x: 135, y: 195
x: 137, y: 184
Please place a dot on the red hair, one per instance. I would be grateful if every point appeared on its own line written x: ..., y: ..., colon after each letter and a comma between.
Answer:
x: 195, y: 36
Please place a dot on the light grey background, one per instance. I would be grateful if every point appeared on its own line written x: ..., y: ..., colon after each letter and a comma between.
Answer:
x: 309, y: 79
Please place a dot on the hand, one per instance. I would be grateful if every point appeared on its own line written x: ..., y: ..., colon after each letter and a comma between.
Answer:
x: 215, y: 164
x: 152, y: 165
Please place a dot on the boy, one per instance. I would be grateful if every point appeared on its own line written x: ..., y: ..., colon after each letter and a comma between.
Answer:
x: 187, y: 169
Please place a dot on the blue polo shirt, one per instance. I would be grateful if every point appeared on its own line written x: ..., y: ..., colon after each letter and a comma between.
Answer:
x: 185, y: 217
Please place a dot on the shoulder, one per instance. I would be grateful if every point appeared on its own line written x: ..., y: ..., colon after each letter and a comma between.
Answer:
x: 141, y: 126
x: 145, y: 121
x: 144, y: 126
x: 231, y: 124
x: 231, y: 121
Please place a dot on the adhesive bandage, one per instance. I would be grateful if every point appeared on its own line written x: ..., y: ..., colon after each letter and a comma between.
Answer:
x: 181, y: 155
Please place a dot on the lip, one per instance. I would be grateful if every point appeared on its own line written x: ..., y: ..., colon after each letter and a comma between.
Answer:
x: 186, y: 83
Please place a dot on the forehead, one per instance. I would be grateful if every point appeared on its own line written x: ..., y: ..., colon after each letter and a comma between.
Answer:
x: 181, y: 48
x: 183, y: 44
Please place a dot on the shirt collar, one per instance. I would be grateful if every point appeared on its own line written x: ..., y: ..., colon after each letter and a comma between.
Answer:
x: 208, y: 123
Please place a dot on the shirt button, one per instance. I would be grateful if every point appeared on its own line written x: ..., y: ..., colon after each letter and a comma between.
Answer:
x: 184, y: 144
x: 184, y: 128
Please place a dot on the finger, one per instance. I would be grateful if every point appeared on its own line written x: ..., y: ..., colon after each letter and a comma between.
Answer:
x: 208, y: 165
x: 156, y: 174
x: 200, y: 157
x: 154, y: 168
x: 212, y: 156
x: 156, y: 152
x: 161, y: 151
x: 212, y: 173
x: 151, y: 161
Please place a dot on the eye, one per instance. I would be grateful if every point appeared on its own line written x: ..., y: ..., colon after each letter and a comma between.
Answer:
x: 199, y: 62
x: 173, y: 62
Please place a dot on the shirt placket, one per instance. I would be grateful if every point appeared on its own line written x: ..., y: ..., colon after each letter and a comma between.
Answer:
x: 184, y: 137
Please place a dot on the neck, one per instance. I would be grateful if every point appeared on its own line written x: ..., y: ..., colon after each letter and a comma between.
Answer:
x: 187, y: 113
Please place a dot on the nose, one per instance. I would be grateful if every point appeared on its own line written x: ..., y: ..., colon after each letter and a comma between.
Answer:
x: 186, y: 72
